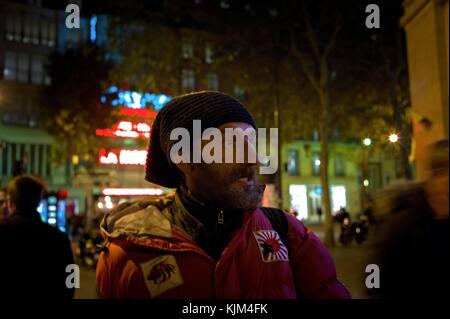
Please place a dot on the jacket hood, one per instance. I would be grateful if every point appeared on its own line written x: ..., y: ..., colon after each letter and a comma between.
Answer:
x: 137, y: 219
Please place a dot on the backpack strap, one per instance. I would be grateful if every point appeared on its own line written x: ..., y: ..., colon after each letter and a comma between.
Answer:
x: 279, y: 222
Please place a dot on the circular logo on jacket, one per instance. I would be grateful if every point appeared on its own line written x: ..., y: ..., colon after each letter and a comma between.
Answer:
x: 270, y: 246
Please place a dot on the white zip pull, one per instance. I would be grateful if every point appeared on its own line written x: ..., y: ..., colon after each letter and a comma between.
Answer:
x: 220, y: 217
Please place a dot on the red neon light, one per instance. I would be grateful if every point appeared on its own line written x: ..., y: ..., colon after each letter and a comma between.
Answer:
x: 142, y: 113
x: 110, y: 158
x: 123, y: 157
x: 126, y: 129
x: 132, y: 192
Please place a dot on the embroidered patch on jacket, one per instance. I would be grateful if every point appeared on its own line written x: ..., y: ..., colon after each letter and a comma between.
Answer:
x: 161, y: 274
x: 270, y: 246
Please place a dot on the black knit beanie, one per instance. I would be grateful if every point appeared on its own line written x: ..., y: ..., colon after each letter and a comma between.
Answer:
x: 212, y: 108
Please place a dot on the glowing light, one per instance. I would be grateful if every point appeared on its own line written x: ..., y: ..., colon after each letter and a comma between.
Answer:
x: 126, y: 129
x: 132, y: 157
x: 131, y: 134
x: 393, y: 138
x: 132, y: 191
x: 125, y: 126
x: 141, y: 113
x: 107, y: 198
x: 317, y: 162
x: 100, y: 205
x: 143, y: 127
x: 52, y: 221
x: 136, y: 100
x: 367, y: 141
x: 338, y: 197
x: 366, y: 182
x: 110, y: 158
x: 93, y: 30
x: 109, y: 205
x: 75, y: 159
x: 123, y: 157
x: 299, y: 200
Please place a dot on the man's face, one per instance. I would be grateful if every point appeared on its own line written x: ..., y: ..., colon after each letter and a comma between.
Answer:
x: 226, y: 185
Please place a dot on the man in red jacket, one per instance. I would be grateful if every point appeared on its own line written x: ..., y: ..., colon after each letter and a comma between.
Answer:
x: 211, y: 240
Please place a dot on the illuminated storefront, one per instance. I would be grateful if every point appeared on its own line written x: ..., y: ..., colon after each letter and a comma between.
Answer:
x: 306, y: 199
x: 122, y: 157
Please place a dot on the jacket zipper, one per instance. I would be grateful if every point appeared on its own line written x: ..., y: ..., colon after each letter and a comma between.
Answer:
x: 220, y: 217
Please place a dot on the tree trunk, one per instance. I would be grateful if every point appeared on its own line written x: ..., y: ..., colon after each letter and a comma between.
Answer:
x: 403, y: 143
x: 326, y: 202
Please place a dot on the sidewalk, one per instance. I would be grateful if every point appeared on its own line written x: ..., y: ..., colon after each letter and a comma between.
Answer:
x: 350, y: 261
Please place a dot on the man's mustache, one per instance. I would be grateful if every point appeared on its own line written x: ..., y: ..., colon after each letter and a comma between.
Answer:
x: 244, y: 172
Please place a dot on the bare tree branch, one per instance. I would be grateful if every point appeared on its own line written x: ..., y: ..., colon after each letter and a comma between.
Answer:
x: 311, y: 33
x: 333, y: 37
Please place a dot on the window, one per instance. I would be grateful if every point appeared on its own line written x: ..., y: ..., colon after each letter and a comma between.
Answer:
x: 292, y: 164
x: 10, y: 70
x: 239, y: 93
x: 44, y: 30
x: 316, y: 136
x: 40, y: 156
x: 35, y: 30
x: 213, y: 81
x: 17, y: 28
x: 187, y: 80
x: 22, y: 67
x: 339, y: 165
x: 27, y: 31
x: 187, y: 50
x: 52, y: 35
x: 37, y: 70
x: 10, y: 27
x: 5, y: 157
x: 316, y: 164
x: 48, y: 33
x: 208, y: 53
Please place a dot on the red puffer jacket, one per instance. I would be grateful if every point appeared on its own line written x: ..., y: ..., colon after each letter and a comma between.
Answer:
x: 148, y: 257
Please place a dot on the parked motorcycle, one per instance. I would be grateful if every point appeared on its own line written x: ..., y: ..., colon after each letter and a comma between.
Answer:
x: 88, y: 248
x: 357, y: 230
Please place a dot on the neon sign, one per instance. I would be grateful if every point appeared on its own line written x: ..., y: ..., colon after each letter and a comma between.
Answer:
x: 141, y: 113
x: 126, y: 129
x: 123, y: 157
x: 136, y: 100
x: 132, y: 191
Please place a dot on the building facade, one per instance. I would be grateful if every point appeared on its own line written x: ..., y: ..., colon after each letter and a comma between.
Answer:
x: 426, y: 25
x: 349, y: 186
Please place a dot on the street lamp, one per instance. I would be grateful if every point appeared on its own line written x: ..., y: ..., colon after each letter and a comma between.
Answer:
x: 366, y: 182
x: 317, y: 162
x: 393, y: 138
x: 367, y: 141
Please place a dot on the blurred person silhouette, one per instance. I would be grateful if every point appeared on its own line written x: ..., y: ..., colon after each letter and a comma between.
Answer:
x: 414, y: 248
x: 319, y: 214
x: 37, y: 254
x: 3, y: 204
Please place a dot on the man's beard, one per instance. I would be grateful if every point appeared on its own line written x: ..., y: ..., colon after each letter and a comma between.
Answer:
x: 243, y: 198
